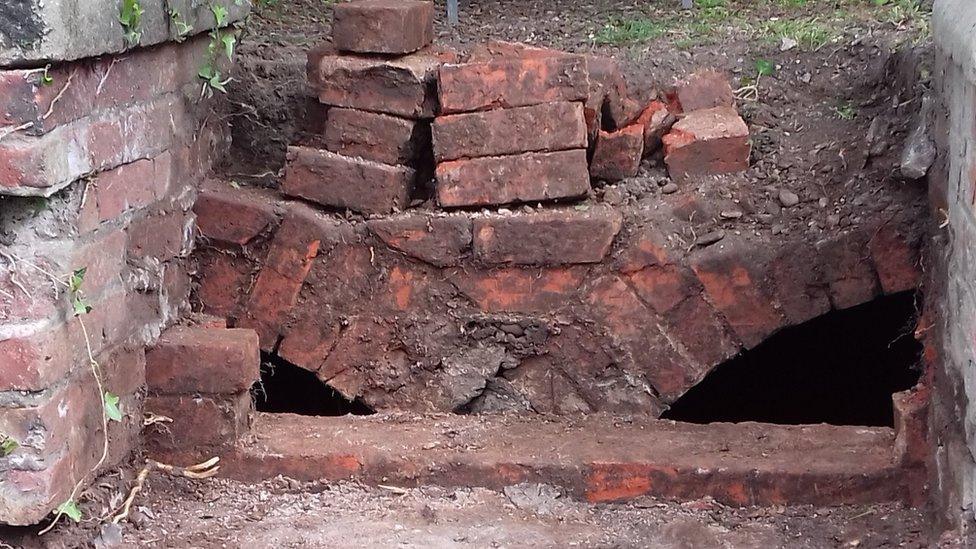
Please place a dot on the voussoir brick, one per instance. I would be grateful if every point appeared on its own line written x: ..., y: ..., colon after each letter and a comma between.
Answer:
x: 231, y: 217
x: 383, y: 26
x: 544, y: 127
x: 441, y: 241
x: 526, y: 177
x: 551, y: 237
x: 346, y: 182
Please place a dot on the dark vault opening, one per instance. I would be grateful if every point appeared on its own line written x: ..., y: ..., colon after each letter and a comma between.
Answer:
x: 286, y: 388
x: 841, y: 368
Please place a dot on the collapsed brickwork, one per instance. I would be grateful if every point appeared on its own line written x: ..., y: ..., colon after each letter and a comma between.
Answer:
x: 547, y: 299
x: 100, y: 158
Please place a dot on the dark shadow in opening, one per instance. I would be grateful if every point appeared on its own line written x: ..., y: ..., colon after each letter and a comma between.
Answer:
x: 841, y: 368
x: 286, y: 388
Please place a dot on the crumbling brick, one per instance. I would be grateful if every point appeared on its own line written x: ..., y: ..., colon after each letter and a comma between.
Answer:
x: 618, y: 154
x: 848, y: 270
x: 707, y: 142
x: 163, y: 236
x: 657, y: 121
x: 344, y: 182
x: 377, y: 137
x: 552, y: 237
x: 231, y: 216
x: 201, y: 423
x: 896, y: 253
x: 518, y: 178
x: 521, y: 290
x: 405, y: 86
x: 608, y: 93
x: 189, y: 360
x: 539, y: 128
x: 383, y: 26
x: 537, y: 76
x: 704, y: 89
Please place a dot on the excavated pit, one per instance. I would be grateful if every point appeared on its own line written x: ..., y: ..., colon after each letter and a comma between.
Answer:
x: 840, y: 368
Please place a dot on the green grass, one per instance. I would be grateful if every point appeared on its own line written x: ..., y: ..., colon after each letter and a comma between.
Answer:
x: 630, y: 31
x: 809, y: 32
x: 846, y: 111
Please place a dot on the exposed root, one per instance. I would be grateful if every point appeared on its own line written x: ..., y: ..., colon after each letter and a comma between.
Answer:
x: 199, y: 471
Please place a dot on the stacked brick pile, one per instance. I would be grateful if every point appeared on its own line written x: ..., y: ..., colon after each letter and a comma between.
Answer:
x: 199, y: 377
x: 99, y: 161
x: 378, y: 80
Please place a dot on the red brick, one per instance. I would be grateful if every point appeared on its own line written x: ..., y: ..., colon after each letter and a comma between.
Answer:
x: 296, y: 244
x: 551, y: 237
x: 732, y: 276
x: 545, y: 127
x: 376, y: 137
x: 103, y: 259
x: 704, y: 89
x: 404, y: 86
x: 130, y: 186
x: 362, y: 345
x: 222, y: 281
x: 800, y: 290
x: 39, y: 165
x: 848, y: 270
x: 201, y: 423
x: 519, y: 178
x: 618, y: 154
x: 535, y: 76
x: 83, y: 87
x: 911, y: 412
x: 707, y: 142
x: 657, y: 121
x: 232, y: 217
x: 188, y: 360
x: 309, y: 341
x: 634, y: 331
x: 383, y: 26
x: 608, y: 92
x: 702, y: 333
x: 162, y: 236
x: 522, y: 290
x: 441, y: 241
x: 344, y: 182
x: 896, y: 252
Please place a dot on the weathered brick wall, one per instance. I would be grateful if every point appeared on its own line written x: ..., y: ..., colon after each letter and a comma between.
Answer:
x: 952, y: 294
x: 100, y: 159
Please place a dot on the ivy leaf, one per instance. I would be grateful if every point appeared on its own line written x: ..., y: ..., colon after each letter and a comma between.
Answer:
x: 765, y: 67
x: 7, y: 445
x: 76, y: 280
x: 220, y: 14
x: 80, y: 306
x: 229, y: 40
x: 112, y: 410
x: 70, y: 509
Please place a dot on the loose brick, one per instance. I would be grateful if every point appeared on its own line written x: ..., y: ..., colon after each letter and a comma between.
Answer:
x: 201, y: 423
x: 383, y: 26
x: 609, y: 94
x: 405, y: 86
x: 848, y: 270
x: 376, y: 137
x: 440, y: 241
x: 518, y: 178
x: 522, y: 290
x: 546, y: 237
x: 188, y: 360
x: 707, y: 142
x: 732, y: 276
x: 657, y: 121
x: 545, y: 127
x: 232, y: 217
x: 618, y: 154
x: 704, y: 89
x: 343, y: 182
x: 537, y: 76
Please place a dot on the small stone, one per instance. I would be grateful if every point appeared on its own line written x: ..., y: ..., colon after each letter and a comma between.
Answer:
x: 833, y: 220
x: 822, y: 202
x: 670, y: 188
x: 777, y: 229
x: 730, y: 214
x: 788, y: 198
x: 710, y: 238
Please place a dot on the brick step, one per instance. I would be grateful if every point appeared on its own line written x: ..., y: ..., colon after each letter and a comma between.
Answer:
x: 597, y: 458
